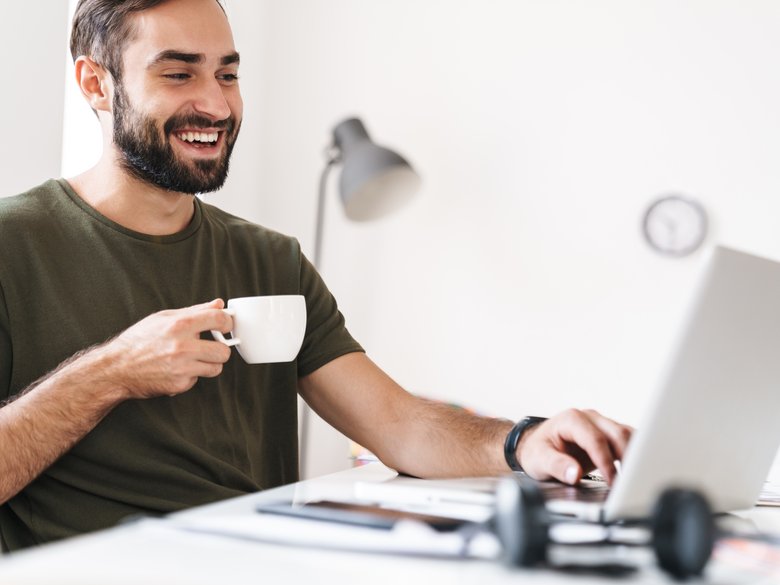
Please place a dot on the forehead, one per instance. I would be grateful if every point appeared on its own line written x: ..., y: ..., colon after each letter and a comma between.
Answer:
x: 191, y: 26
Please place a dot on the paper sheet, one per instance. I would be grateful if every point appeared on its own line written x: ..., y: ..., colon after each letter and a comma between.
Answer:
x: 407, y: 537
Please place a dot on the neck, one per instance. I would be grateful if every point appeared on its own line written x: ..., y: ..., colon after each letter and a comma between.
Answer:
x: 131, y: 202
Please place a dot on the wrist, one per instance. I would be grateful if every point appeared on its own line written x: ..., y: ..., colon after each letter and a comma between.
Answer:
x: 515, y: 436
x: 94, y: 370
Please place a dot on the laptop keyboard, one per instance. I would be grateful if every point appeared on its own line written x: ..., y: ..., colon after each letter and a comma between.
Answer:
x: 588, y: 491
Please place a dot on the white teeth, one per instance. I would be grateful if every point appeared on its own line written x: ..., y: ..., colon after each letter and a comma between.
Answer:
x: 199, y: 136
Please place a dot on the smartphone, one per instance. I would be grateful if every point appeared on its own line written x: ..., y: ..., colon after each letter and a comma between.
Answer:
x: 365, y: 515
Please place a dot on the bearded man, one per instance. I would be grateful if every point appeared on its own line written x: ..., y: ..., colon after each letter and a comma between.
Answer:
x: 115, y: 401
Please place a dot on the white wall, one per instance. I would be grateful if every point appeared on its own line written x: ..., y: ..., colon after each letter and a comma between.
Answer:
x: 32, y: 92
x: 518, y: 281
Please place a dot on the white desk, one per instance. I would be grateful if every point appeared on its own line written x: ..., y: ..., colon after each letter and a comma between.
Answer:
x: 150, y: 552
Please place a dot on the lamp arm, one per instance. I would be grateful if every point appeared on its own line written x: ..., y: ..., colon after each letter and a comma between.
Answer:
x: 333, y: 158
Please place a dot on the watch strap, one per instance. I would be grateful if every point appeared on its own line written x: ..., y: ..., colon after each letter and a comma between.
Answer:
x: 513, y: 439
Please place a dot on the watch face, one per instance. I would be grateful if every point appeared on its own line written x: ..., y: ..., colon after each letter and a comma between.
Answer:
x: 675, y: 225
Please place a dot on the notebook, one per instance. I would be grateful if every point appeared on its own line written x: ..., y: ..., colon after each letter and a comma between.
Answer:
x: 714, y: 422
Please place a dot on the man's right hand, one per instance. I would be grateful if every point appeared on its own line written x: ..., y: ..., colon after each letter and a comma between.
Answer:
x: 163, y: 354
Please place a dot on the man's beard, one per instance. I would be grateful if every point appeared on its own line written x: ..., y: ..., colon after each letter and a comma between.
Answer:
x: 148, y: 156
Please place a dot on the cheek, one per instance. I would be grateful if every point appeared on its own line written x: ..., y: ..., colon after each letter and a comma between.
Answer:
x: 236, y: 103
x: 159, y: 104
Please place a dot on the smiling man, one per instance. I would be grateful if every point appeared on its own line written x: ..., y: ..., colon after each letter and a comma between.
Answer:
x: 166, y: 93
x: 114, y: 399
x: 201, y: 139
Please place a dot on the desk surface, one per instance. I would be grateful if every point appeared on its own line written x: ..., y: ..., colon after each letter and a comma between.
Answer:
x: 151, y: 551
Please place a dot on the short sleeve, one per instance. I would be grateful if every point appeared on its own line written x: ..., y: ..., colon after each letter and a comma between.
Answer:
x: 326, y: 335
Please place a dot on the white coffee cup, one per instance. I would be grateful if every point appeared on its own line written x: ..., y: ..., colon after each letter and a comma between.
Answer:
x: 266, y: 329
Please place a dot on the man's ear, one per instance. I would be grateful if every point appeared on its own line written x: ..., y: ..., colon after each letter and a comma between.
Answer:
x: 96, y: 84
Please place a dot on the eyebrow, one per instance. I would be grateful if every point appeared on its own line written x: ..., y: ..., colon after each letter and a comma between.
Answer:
x: 192, y: 58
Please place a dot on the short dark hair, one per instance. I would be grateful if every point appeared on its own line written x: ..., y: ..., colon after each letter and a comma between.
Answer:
x: 101, y: 29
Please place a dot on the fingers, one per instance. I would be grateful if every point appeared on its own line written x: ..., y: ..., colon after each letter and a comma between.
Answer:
x: 578, y: 429
x: 188, y: 360
x: 617, y: 434
x: 219, y: 318
x: 204, y: 369
x: 191, y: 321
x: 565, y: 468
x: 164, y: 353
x: 210, y: 352
x: 215, y: 304
x: 574, y: 442
x: 207, y: 355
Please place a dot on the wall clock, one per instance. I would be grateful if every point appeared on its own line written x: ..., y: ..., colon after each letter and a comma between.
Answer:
x: 675, y: 225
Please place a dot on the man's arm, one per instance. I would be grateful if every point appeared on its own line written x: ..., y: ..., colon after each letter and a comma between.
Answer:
x: 427, y: 439
x: 162, y: 355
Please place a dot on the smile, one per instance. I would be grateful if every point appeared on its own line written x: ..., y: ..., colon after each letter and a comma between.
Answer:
x: 207, y: 138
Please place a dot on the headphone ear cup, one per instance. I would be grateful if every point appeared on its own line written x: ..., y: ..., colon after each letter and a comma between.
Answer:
x: 521, y: 522
x: 683, y: 532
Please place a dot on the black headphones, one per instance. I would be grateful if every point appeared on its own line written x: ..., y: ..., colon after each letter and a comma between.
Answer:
x: 681, y: 531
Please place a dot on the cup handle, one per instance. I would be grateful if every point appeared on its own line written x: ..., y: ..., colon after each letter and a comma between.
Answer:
x: 218, y: 336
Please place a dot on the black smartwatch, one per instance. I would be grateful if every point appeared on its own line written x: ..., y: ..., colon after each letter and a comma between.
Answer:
x: 513, y: 438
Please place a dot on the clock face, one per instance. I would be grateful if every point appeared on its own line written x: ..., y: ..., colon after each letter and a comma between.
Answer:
x: 675, y: 225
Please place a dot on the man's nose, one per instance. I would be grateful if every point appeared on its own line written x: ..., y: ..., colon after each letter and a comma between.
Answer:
x: 210, y: 100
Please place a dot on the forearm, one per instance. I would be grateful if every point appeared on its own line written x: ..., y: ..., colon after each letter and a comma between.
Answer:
x: 443, y: 441
x: 430, y: 439
x: 413, y: 435
x: 161, y: 355
x: 53, y: 415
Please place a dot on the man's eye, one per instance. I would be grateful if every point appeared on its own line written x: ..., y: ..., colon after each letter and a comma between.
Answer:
x: 230, y: 77
x: 177, y: 76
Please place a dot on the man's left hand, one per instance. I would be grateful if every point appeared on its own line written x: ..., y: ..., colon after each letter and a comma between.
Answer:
x: 573, y: 443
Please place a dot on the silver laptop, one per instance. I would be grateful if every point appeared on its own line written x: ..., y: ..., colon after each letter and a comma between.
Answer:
x: 714, y: 423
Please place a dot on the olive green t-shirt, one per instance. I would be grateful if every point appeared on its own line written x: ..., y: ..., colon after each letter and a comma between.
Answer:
x: 71, y: 278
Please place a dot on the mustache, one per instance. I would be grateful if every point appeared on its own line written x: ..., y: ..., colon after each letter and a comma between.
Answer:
x: 196, y: 121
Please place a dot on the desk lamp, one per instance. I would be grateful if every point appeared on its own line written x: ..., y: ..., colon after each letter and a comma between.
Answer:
x: 374, y: 182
